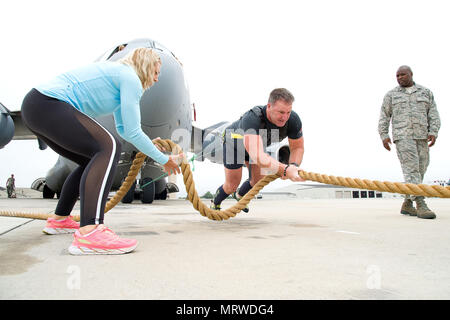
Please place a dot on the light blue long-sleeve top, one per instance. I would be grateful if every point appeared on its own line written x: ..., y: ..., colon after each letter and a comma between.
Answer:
x: 104, y: 88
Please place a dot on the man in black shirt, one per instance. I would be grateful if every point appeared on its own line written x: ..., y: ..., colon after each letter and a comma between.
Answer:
x: 245, y: 142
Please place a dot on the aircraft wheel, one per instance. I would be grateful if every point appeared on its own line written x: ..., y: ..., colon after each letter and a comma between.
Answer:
x: 48, y: 193
x: 148, y: 192
x: 162, y: 195
x: 129, y: 196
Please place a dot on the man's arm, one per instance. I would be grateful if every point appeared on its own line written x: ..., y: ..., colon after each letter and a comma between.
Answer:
x: 254, y: 146
x: 384, y: 121
x: 297, y: 148
x: 434, y: 121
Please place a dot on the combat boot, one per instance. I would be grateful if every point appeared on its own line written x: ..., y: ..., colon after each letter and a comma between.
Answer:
x: 408, y: 208
x: 423, y: 211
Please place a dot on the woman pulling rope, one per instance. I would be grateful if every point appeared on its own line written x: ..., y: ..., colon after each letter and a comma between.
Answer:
x: 61, y: 113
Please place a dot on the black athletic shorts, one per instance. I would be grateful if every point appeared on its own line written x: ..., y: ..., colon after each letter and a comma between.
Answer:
x: 234, y: 153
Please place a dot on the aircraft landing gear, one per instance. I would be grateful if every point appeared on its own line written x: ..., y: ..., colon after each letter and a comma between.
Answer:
x: 129, y: 196
x: 148, y: 191
x: 162, y: 195
x: 144, y: 191
x: 48, y: 193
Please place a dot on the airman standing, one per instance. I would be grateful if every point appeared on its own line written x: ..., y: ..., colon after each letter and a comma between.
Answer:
x: 415, y: 126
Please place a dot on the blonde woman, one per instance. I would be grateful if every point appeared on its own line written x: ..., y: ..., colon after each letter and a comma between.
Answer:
x: 61, y: 113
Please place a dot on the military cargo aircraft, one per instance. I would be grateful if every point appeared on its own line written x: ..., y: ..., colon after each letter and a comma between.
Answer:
x: 166, y: 112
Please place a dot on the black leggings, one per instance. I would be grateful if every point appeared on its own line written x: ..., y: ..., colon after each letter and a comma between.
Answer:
x: 77, y: 137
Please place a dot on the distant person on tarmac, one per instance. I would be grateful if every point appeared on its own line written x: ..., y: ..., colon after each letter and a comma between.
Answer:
x: 415, y: 126
x: 61, y: 114
x: 11, y: 186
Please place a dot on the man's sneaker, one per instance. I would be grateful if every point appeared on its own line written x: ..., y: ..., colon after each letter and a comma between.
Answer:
x: 101, y: 241
x: 67, y: 225
x: 235, y: 196
x: 214, y: 206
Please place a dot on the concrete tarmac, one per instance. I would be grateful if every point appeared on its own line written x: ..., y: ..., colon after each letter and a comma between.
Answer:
x: 283, y: 249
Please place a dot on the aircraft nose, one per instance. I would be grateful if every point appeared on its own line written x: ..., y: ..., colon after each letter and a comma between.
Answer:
x: 167, y: 102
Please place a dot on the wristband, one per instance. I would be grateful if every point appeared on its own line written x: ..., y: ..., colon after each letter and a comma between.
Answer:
x: 285, y: 168
x: 295, y: 164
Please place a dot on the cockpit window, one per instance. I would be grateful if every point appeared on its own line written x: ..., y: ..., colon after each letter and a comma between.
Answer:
x: 117, y: 49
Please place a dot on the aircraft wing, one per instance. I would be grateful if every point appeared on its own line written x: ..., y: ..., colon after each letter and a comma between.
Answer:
x: 21, y: 132
x: 196, y: 140
x: 207, y: 144
x: 13, y: 128
x: 202, y: 138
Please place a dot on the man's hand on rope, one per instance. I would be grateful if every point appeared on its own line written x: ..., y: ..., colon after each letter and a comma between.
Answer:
x: 292, y: 174
x: 386, y: 144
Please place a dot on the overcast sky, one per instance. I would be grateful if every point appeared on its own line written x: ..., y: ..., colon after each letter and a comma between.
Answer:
x: 338, y: 58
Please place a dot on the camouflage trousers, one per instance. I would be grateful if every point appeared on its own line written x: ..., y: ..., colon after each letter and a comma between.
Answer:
x: 10, y: 191
x: 414, y: 158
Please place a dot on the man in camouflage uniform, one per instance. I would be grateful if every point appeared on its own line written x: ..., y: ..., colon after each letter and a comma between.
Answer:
x: 415, y: 126
x: 11, y: 186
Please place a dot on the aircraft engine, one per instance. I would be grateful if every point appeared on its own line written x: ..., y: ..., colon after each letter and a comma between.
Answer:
x: 280, y: 151
x: 6, y: 126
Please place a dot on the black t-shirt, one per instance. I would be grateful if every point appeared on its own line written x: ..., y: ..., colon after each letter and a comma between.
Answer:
x: 255, y: 120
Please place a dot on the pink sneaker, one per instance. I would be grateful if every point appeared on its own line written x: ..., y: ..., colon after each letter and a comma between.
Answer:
x: 67, y: 225
x: 101, y: 241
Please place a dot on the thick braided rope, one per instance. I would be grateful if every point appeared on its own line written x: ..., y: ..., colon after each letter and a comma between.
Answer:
x: 170, y: 146
x: 29, y: 215
x: 393, y: 187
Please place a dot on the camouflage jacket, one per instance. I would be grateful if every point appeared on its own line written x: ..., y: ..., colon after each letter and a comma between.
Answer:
x: 414, y: 115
